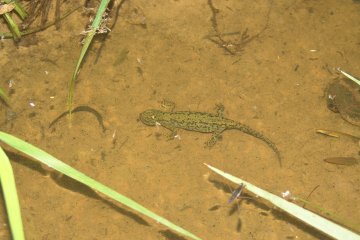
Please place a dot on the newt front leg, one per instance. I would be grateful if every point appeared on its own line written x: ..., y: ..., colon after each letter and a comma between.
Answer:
x: 220, y: 110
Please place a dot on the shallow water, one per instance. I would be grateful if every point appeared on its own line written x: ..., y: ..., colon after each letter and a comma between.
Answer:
x: 273, y: 80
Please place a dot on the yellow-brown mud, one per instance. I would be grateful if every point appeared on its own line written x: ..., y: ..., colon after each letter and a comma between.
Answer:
x: 274, y: 83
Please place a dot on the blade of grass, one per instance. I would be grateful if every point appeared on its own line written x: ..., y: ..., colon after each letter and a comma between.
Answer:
x: 90, y: 35
x: 40, y: 28
x: 332, y: 229
x: 18, y: 8
x: 10, y: 196
x: 349, y: 76
x: 13, y: 26
x: 58, y: 165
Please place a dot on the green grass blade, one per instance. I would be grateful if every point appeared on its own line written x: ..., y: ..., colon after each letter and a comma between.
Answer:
x: 332, y: 229
x: 11, y: 198
x: 18, y: 8
x: 90, y: 35
x: 7, y: 35
x: 58, y: 165
x: 13, y: 26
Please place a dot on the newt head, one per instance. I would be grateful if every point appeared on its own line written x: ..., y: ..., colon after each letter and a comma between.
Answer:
x: 149, y: 117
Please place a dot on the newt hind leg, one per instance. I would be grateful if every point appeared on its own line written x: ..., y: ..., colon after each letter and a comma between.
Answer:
x: 168, y: 105
x: 173, y: 133
x: 214, y: 138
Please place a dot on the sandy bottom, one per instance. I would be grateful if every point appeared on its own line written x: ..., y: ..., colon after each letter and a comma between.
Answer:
x: 267, y: 62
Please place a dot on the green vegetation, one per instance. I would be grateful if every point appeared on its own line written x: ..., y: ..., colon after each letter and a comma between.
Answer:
x: 97, y: 26
x: 10, y: 196
x: 12, y: 203
x: 7, y: 35
x: 6, y: 9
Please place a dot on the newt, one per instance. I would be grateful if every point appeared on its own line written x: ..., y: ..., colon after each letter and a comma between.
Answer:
x: 201, y: 122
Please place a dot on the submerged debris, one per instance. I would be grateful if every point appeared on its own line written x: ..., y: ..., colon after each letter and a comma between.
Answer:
x: 348, y: 161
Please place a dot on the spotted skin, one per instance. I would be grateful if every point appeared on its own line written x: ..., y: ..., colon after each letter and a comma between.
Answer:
x: 201, y: 122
